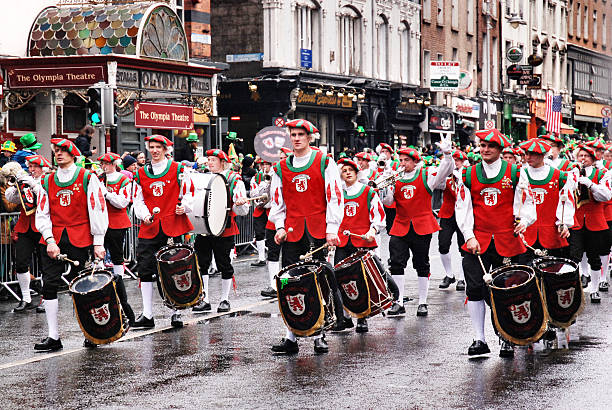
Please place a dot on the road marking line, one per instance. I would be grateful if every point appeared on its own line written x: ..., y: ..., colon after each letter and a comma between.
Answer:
x: 137, y: 333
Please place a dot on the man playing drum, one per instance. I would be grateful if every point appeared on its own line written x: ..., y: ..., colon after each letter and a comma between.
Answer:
x: 307, y: 207
x: 221, y: 247
x: 71, y: 216
x: 494, y: 205
x: 158, y: 191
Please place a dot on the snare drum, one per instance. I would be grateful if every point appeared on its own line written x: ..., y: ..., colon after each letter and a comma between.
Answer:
x: 561, y: 289
x: 210, y: 205
x: 363, y: 289
x: 305, y: 299
x: 97, y: 306
x: 179, y: 279
x: 518, y: 310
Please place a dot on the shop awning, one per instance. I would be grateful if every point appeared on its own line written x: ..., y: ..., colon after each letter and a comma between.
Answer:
x: 403, y: 127
x: 566, y: 129
x: 586, y: 118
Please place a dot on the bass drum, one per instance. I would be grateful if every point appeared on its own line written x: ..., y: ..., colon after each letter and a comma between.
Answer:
x: 561, y: 288
x: 179, y: 280
x: 519, y: 313
x: 97, y: 306
x: 211, y: 203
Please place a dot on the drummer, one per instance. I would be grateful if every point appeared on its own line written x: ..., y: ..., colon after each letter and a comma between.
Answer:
x: 490, y: 195
x: 363, y: 216
x: 306, y: 197
x: 71, y: 216
x: 158, y: 190
x: 260, y: 184
x: 221, y: 247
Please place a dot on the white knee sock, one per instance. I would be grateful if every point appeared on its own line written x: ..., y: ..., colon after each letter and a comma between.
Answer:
x: 584, y: 265
x: 24, y: 285
x: 399, y: 280
x: 51, y: 307
x: 205, y: 288
x: 146, y: 289
x: 477, y: 310
x: 290, y: 336
x: 594, y: 285
x: 273, y: 269
x: 448, y: 264
x: 233, y: 255
x: 261, y: 250
x: 118, y: 270
x: 605, y: 260
x: 460, y: 275
x: 423, y: 288
x: 213, y: 263
x: 226, y: 285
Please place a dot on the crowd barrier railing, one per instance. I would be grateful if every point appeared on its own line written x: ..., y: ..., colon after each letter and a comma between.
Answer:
x: 245, y: 240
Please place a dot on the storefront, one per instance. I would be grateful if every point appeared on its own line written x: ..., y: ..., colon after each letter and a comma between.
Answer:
x: 440, y: 120
x: 467, y: 114
x: 407, y: 113
x: 589, y: 118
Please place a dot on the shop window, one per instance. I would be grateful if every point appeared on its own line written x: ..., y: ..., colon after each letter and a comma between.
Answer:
x: 74, y: 113
x: 23, y: 119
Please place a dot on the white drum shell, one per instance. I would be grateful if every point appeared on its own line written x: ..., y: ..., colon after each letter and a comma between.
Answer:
x: 210, y: 203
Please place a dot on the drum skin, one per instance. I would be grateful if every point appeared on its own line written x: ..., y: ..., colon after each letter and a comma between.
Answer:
x: 210, y: 204
x: 518, y: 310
x: 179, y: 279
x: 561, y: 289
x: 97, y: 306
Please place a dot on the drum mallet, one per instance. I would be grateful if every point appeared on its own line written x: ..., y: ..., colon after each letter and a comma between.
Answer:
x: 349, y: 233
x: 155, y: 211
x: 537, y: 252
x: 64, y: 258
x: 309, y: 254
x: 263, y: 197
x: 487, y: 276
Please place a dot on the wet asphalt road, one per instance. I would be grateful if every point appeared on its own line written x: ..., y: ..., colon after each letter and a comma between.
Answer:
x: 224, y: 360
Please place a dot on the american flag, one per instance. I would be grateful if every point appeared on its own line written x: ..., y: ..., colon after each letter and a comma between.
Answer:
x: 553, y: 112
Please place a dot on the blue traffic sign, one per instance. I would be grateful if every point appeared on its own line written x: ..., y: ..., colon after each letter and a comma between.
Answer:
x: 605, y: 121
x: 305, y: 58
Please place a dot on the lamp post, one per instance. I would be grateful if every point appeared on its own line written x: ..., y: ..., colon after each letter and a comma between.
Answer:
x: 487, y: 11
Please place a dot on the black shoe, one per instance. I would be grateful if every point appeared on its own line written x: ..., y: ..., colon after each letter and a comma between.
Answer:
x: 23, y: 306
x: 269, y: 292
x: 603, y: 286
x: 286, y: 346
x: 36, y: 286
x: 49, y: 345
x: 422, y: 310
x: 89, y: 344
x: 343, y: 324
x: 506, y: 349
x: 143, y: 323
x: 259, y: 263
x: 176, y: 321
x: 224, y: 306
x: 478, y: 347
x: 595, y: 298
x: 320, y: 345
x: 348, y: 323
x: 446, y: 282
x: 460, y: 285
x: 201, y: 307
x: 40, y: 309
x: 396, y: 309
x: 585, y: 281
x: 362, y: 326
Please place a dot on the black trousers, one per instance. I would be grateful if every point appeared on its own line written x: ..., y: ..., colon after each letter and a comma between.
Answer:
x: 113, y: 241
x: 122, y: 294
x: 400, y: 248
x: 448, y: 227
x: 53, y: 269
x: 389, y: 218
x: 594, y: 243
x: 145, y: 255
x: 259, y: 225
x: 28, y: 244
x: 221, y: 247
x: 273, y: 248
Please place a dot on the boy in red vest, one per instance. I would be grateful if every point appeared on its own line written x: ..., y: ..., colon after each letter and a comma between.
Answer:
x: 366, y: 173
x: 414, y: 221
x: 159, y: 186
x: 306, y: 196
x: 71, y: 216
x: 553, y: 158
x: 259, y: 185
x: 490, y: 196
x: 221, y: 246
x: 28, y: 237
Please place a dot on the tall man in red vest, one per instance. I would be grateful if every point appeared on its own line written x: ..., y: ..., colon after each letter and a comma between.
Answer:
x: 71, y: 217
x: 28, y: 237
x: 307, y: 197
x: 494, y: 205
x: 414, y: 221
x: 159, y: 187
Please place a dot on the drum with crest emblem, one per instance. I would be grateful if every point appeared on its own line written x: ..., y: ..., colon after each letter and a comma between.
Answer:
x: 179, y: 280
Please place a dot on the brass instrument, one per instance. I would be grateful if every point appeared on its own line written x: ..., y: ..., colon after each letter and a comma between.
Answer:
x: 386, y: 180
x: 583, y: 194
x: 264, y: 195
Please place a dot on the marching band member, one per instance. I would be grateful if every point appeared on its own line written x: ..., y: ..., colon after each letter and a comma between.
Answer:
x: 599, y: 148
x: 414, y: 221
x: 508, y: 155
x: 71, y: 216
x: 491, y: 194
x: 448, y: 226
x: 603, y: 282
x: 553, y: 158
x: 590, y: 231
x: 157, y: 203
x: 363, y: 215
x: 221, y: 247
x: 366, y: 173
x: 28, y: 236
x: 260, y: 184
x: 386, y: 165
x: 307, y: 197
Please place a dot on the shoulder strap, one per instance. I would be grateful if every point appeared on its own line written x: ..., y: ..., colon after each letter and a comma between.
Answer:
x: 562, y: 178
x: 424, y: 177
x: 370, y: 193
x: 514, y: 175
x: 45, y: 183
x: 466, y: 176
x: 86, y: 176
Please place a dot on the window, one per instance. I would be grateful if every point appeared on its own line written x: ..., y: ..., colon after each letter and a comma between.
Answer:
x: 493, y: 6
x: 350, y: 41
x: 469, y: 62
x: 594, y: 26
x: 440, y: 12
x: 382, y: 37
x: 455, y: 14
x: 427, y: 10
x: 24, y: 118
x: 586, y: 23
x: 494, y: 68
x: 570, y: 9
x: 426, y: 62
x: 578, y: 21
x: 405, y: 52
x: 470, y: 16
x: 75, y: 113
x: 307, y: 32
x: 440, y: 57
x: 180, y: 10
x: 604, y: 30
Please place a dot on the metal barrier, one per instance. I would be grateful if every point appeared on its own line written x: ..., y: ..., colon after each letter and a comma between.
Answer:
x: 130, y: 243
x: 246, y: 238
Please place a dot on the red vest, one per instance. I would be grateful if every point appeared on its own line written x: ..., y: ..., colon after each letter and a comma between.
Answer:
x: 68, y: 208
x: 258, y: 211
x: 304, y: 196
x: 492, y: 203
x: 413, y: 204
x: 546, y: 196
x: 117, y: 217
x: 449, y: 197
x: 162, y: 191
x: 357, y: 218
x: 232, y: 179
x: 592, y: 213
x: 25, y: 222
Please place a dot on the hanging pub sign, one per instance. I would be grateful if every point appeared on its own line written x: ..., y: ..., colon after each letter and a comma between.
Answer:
x: 440, y: 121
x: 164, y: 116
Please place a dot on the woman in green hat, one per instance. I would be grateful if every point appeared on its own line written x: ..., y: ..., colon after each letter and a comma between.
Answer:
x: 29, y: 147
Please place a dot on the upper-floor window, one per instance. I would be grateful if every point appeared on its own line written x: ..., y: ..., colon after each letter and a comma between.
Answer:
x: 179, y: 6
x: 570, y: 12
x: 350, y: 40
x: 427, y: 10
x: 594, y: 26
x: 382, y: 52
x: 470, y: 16
x: 307, y: 25
x: 586, y: 22
x: 440, y: 18
x: 578, y: 20
x: 455, y: 14
x: 604, y: 30
x: 405, y: 45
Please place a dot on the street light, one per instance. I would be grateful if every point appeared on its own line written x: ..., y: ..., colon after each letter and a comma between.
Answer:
x: 515, y: 20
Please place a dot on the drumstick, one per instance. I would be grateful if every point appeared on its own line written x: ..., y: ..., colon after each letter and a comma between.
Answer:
x: 257, y: 198
x: 537, y: 252
x: 349, y: 233
x: 156, y: 210
x: 309, y: 254
x: 487, y: 276
x: 64, y: 258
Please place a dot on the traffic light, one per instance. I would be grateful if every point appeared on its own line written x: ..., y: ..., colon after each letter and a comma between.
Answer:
x: 109, y: 118
x: 94, y: 105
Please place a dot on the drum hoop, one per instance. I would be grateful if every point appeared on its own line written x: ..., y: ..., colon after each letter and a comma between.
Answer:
x: 84, y: 274
x: 528, y: 268
x: 174, y: 246
x: 319, y: 267
x: 351, y: 259
x: 206, y: 214
x: 551, y: 258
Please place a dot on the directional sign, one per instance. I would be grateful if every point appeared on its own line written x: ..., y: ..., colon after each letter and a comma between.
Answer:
x: 279, y: 122
x: 489, y: 124
x: 605, y: 121
x: 305, y: 58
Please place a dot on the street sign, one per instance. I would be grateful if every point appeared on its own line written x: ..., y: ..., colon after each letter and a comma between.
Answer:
x: 606, y: 111
x: 465, y: 80
x: 489, y: 124
x: 243, y: 58
x: 535, y: 83
x: 305, y: 58
x: 605, y: 121
x: 444, y: 75
x: 278, y: 122
x: 514, y: 72
x: 514, y: 54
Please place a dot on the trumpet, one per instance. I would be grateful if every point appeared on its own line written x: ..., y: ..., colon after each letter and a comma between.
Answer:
x: 386, y: 180
x: 11, y: 180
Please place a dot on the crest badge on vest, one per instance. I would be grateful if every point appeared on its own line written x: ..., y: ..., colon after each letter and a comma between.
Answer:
x: 64, y: 196
x: 350, y: 208
x: 301, y: 182
x: 408, y: 191
x: 157, y: 188
x: 538, y: 195
x: 490, y: 196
